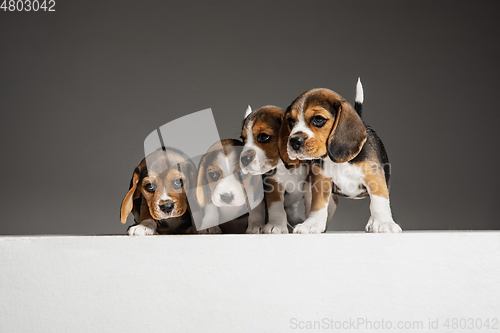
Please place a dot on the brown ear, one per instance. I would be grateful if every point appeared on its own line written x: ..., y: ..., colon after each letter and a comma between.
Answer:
x: 190, y: 173
x: 283, y: 143
x: 348, y: 134
x: 201, y: 183
x: 132, y: 194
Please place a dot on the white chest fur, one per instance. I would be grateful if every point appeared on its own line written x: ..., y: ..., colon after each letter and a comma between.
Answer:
x: 348, y: 178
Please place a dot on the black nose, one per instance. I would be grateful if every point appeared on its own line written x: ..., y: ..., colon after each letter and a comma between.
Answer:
x: 297, y: 142
x: 167, y: 207
x: 246, y: 159
x: 227, y: 197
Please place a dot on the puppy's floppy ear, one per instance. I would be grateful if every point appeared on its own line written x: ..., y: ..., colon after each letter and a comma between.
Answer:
x: 201, y: 184
x: 348, y: 134
x: 190, y: 173
x: 132, y: 194
x: 283, y: 143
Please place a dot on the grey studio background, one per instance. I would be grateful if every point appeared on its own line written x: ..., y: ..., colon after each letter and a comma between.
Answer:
x: 82, y: 87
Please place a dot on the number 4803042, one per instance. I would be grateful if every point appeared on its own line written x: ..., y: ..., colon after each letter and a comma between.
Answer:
x: 28, y: 5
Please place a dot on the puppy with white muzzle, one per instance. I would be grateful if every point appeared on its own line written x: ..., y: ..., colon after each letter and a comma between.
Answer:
x: 285, y: 185
x: 224, y: 193
x: 346, y: 155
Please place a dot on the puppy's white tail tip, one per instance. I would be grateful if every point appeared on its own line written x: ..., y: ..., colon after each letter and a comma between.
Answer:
x: 359, y: 92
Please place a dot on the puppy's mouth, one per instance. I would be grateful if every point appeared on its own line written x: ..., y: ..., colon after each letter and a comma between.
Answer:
x: 301, y: 154
x: 219, y: 201
x: 223, y: 204
x: 255, y: 168
x: 158, y: 214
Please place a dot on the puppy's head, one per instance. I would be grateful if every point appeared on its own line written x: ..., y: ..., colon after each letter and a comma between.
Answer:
x: 260, y: 133
x: 321, y: 122
x: 163, y: 179
x: 218, y: 175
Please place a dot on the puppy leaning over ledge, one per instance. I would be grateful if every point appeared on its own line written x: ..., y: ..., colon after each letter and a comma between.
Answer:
x: 158, y: 194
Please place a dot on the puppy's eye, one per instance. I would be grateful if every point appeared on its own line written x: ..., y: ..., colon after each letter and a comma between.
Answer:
x: 263, y: 138
x: 291, y: 122
x: 318, y: 121
x: 213, y: 176
x: 242, y: 139
x: 150, y: 187
x: 177, y: 183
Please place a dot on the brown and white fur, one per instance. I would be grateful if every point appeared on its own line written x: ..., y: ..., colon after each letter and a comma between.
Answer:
x: 284, y: 186
x: 222, y: 191
x: 158, y: 194
x: 347, y: 156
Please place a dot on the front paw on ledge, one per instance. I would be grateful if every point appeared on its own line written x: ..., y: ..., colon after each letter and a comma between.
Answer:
x: 211, y: 230
x: 309, y: 227
x: 272, y: 228
x: 254, y: 230
x: 375, y: 226
x: 140, y: 230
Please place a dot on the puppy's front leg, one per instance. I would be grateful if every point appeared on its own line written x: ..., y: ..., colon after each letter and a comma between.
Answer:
x: 147, y: 226
x: 257, y: 218
x: 320, y: 193
x: 381, y: 217
x: 277, y: 223
x: 210, y: 219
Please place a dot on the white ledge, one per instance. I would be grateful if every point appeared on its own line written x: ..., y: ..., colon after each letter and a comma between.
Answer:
x: 246, y: 283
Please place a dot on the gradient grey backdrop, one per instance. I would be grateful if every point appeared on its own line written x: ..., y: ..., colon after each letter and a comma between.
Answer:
x: 81, y: 88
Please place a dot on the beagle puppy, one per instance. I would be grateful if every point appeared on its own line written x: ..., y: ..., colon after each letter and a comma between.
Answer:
x: 222, y: 191
x: 158, y: 194
x: 284, y: 185
x: 347, y: 156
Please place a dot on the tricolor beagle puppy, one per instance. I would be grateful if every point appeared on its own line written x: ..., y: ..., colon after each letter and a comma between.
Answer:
x: 347, y: 156
x: 223, y: 192
x: 158, y: 194
x: 285, y: 186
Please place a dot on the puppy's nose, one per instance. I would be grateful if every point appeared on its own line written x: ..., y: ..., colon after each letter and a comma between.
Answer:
x: 297, y: 142
x: 167, y: 207
x: 247, y: 157
x: 227, y: 197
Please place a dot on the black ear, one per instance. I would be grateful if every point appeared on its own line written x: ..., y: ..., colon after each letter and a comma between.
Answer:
x: 348, y: 134
x: 132, y: 194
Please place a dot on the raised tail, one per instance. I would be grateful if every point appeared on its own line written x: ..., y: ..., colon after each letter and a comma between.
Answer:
x: 358, y: 100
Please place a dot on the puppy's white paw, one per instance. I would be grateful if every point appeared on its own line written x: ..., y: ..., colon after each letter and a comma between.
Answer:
x: 254, y: 230
x: 310, y: 226
x: 211, y: 230
x: 381, y: 226
x: 272, y: 228
x: 140, y: 230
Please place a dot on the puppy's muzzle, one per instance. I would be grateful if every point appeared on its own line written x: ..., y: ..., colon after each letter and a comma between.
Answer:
x: 297, y: 141
x: 167, y: 207
x: 227, y: 197
x: 247, y: 157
